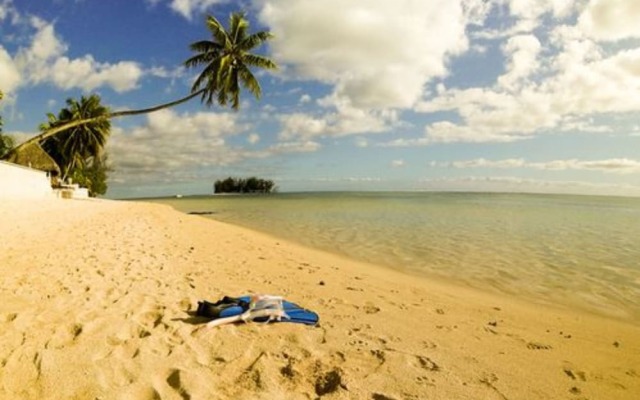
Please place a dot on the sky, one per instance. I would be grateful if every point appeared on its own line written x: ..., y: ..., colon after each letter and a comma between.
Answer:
x: 456, y: 95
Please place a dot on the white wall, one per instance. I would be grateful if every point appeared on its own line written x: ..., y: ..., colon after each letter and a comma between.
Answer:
x: 18, y: 182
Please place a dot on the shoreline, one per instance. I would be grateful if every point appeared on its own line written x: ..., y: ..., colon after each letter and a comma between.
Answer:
x: 602, y: 297
x: 95, y: 299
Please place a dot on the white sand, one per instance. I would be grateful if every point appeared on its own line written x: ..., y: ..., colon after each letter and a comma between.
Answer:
x: 94, y: 298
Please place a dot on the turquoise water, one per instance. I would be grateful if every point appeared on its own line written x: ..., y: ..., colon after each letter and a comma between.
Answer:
x: 573, y: 251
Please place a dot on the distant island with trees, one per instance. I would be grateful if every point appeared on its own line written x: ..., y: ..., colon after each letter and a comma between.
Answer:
x: 242, y: 185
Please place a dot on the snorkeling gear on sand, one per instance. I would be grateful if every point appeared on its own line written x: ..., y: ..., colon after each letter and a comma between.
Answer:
x: 257, y: 308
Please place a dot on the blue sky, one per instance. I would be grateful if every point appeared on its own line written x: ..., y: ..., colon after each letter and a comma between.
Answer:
x: 504, y: 95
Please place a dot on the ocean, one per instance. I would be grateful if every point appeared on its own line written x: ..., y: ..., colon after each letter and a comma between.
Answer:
x: 571, y: 251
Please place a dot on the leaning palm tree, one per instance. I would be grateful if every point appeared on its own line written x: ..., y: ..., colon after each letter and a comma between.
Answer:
x: 227, y: 60
x: 74, y: 147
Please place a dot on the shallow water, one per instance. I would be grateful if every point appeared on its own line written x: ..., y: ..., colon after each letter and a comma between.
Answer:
x: 575, y: 251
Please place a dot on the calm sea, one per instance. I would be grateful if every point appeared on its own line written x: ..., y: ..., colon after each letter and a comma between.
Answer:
x: 574, y: 251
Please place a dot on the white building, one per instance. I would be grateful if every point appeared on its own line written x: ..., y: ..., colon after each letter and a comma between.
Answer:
x: 18, y: 182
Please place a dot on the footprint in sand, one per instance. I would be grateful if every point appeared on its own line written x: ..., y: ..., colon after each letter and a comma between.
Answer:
x: 10, y: 317
x: 575, y: 375
x: 64, y: 336
x: 174, y: 380
x: 538, y: 346
x: 371, y: 309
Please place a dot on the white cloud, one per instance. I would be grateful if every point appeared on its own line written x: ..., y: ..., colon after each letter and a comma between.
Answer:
x: 529, y: 12
x: 306, y: 146
x: 87, y: 74
x: 305, y: 98
x: 346, y: 121
x: 172, y: 144
x: 253, y: 138
x: 491, y: 115
x: 45, y: 47
x: 402, y: 142
x: 611, y: 19
x: 174, y: 147
x: 528, y: 15
x: 187, y: 8
x: 578, y: 80
x: 522, y: 52
x: 10, y: 77
x: 375, y: 53
x: 614, y: 165
x: 44, y: 61
x: 398, y: 163
x: 483, y: 163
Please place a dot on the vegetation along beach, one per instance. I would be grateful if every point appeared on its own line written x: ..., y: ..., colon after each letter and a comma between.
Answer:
x: 337, y: 199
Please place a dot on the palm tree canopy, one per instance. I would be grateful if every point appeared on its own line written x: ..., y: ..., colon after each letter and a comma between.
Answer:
x: 73, y: 146
x: 227, y: 59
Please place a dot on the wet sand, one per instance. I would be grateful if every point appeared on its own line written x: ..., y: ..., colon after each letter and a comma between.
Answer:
x: 97, y: 301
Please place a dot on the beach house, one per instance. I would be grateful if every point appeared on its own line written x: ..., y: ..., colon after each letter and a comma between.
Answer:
x: 29, y: 173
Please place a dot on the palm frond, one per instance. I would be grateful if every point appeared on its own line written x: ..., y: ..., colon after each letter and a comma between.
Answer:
x: 234, y: 89
x: 254, y: 60
x: 199, y: 59
x: 252, y: 41
x: 226, y: 61
x: 218, y: 32
x: 205, y: 76
x: 249, y: 81
x: 205, y: 46
x: 238, y: 26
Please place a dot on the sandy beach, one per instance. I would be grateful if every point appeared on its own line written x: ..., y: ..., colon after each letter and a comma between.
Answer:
x: 98, y: 300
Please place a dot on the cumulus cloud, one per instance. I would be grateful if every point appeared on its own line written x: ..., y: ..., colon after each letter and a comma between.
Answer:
x: 611, y: 19
x: 398, y: 163
x: 346, y: 121
x: 10, y: 77
x: 87, y: 74
x: 44, y: 61
x: 529, y: 12
x: 172, y: 147
x: 375, y: 53
x: 578, y: 80
x: 187, y: 8
x: 522, y: 53
x: 169, y: 145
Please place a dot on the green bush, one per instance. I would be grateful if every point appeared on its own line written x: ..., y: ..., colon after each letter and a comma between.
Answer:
x: 241, y: 185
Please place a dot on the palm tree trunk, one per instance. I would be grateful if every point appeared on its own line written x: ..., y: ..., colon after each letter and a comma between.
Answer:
x: 117, y: 114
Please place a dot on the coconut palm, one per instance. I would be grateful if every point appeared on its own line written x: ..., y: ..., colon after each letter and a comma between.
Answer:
x: 74, y: 147
x: 227, y: 61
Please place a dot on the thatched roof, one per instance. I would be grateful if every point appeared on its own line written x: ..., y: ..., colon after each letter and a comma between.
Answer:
x: 33, y: 156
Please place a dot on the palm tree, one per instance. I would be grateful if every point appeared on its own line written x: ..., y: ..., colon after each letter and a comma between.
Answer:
x: 226, y: 59
x: 75, y: 147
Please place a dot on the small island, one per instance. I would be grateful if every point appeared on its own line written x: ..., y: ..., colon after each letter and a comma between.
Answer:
x: 242, y: 185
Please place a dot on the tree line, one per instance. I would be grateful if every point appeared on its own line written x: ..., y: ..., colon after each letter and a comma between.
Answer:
x: 241, y: 185
x: 77, y: 136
